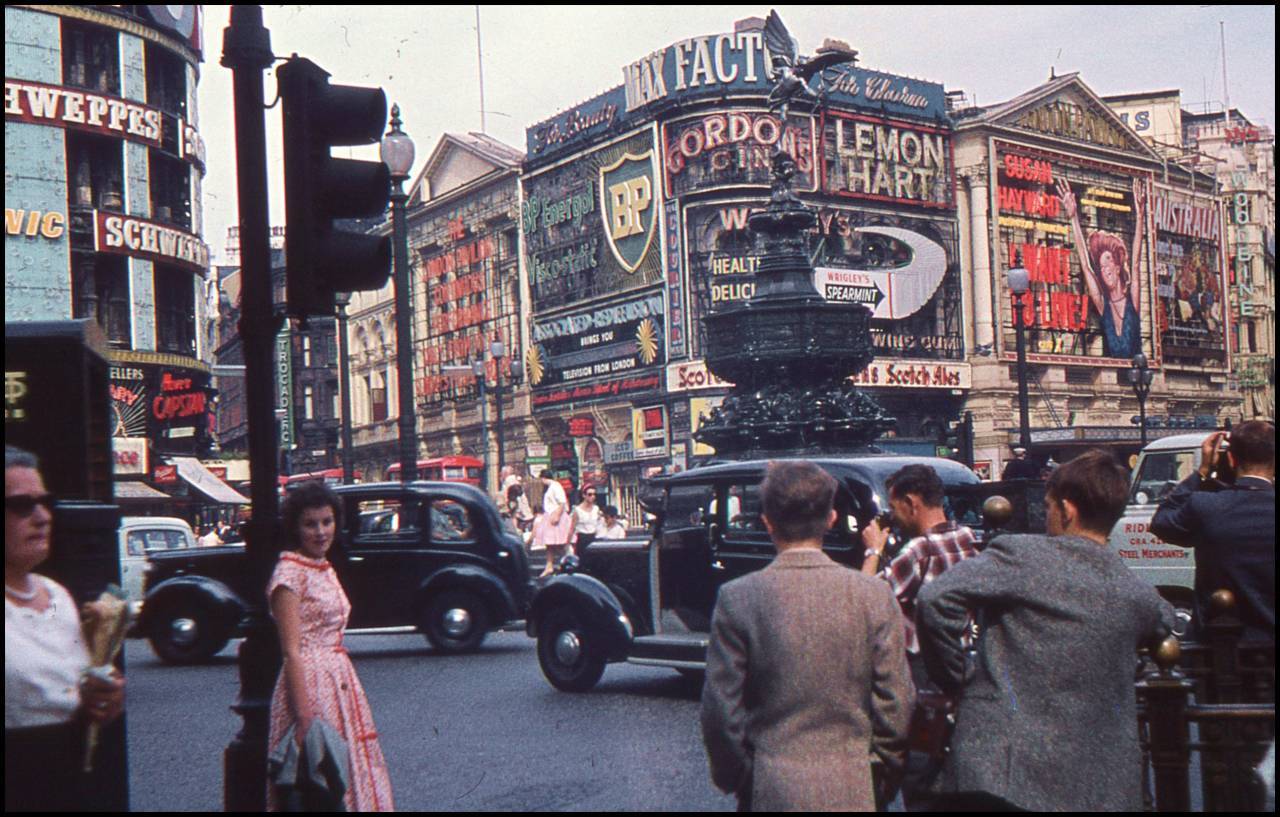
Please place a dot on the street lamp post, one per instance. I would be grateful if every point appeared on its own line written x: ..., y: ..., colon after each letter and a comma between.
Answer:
x: 499, y: 351
x: 1140, y: 376
x: 477, y: 368
x: 343, y: 300
x: 1019, y: 282
x: 397, y: 154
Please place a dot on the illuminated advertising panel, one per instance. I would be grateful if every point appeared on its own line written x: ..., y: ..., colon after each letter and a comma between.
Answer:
x: 591, y: 224
x: 734, y: 148
x: 887, y: 160
x: 609, y: 350
x: 1081, y: 230
x: 1191, y: 314
x: 902, y: 267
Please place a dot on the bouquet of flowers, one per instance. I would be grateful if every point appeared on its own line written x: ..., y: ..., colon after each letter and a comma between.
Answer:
x: 105, y: 623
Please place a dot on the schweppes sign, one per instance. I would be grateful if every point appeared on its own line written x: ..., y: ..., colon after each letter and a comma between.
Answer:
x: 629, y: 208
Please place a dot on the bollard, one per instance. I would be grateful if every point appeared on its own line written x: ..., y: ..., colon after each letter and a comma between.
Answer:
x: 1166, y: 693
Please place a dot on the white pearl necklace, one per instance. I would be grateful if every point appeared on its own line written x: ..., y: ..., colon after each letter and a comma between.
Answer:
x: 22, y: 595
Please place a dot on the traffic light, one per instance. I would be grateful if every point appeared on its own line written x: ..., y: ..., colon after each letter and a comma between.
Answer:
x: 956, y: 440
x: 319, y: 189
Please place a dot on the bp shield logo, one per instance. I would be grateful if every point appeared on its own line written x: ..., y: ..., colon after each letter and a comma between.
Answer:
x: 628, y: 207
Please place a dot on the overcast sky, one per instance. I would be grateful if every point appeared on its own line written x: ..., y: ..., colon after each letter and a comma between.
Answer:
x: 542, y: 60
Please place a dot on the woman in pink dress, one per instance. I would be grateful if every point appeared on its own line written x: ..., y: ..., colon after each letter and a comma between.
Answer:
x: 317, y: 680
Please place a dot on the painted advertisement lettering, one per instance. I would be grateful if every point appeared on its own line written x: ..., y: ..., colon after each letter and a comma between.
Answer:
x: 1080, y: 232
x: 887, y: 160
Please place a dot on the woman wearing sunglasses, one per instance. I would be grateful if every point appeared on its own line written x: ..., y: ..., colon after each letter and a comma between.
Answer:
x: 48, y: 700
x: 586, y: 521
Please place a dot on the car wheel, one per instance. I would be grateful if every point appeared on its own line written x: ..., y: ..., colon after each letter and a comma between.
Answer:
x: 187, y: 633
x: 566, y: 653
x: 455, y: 622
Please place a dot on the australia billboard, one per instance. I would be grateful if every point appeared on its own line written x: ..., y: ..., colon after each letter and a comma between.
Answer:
x: 1191, y: 317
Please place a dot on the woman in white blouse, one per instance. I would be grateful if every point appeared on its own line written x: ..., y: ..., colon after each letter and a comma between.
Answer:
x: 48, y: 701
x: 586, y: 521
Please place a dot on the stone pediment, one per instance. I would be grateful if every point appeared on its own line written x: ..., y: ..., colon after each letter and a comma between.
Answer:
x: 458, y: 160
x: 1066, y: 108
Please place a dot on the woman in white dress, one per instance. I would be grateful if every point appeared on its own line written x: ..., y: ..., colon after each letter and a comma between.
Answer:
x: 558, y: 524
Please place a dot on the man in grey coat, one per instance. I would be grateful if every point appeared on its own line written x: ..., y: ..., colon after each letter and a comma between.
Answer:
x: 1047, y: 714
x: 807, y: 680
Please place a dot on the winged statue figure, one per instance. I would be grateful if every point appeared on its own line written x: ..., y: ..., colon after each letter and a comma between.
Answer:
x: 791, y: 72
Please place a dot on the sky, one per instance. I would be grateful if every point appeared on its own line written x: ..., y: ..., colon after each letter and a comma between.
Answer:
x: 540, y: 60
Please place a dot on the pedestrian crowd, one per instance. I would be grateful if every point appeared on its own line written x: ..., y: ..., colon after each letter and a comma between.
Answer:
x: 825, y: 686
x: 997, y: 678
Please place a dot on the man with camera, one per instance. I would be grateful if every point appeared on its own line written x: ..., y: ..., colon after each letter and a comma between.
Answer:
x: 1233, y: 528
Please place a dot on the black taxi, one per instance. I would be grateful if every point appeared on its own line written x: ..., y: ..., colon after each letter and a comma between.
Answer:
x: 431, y: 555
x: 648, y: 598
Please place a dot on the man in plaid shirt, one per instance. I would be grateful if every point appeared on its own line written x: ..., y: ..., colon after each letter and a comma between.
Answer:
x: 915, y: 496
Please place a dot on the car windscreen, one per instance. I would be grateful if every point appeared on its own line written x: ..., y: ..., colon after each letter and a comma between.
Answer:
x: 1159, y: 473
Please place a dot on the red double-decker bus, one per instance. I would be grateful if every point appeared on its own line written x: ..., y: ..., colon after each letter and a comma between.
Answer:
x: 444, y: 469
x: 329, y: 476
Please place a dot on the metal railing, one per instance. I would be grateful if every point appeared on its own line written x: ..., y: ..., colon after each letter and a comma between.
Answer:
x: 1213, y: 702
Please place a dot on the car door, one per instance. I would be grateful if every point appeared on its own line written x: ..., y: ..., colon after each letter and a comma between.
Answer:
x: 743, y: 545
x: 684, y: 583
x: 382, y: 548
x: 455, y: 534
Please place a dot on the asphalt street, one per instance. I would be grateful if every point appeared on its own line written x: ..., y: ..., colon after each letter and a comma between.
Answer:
x: 480, y: 732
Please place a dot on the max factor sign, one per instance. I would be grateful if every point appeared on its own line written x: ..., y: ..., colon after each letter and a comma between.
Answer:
x: 739, y: 61
x: 127, y: 235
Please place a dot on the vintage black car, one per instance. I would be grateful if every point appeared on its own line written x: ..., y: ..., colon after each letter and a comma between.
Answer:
x: 648, y: 599
x: 433, y: 555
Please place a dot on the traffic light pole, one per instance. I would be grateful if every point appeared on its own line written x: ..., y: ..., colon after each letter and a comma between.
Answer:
x: 247, y: 52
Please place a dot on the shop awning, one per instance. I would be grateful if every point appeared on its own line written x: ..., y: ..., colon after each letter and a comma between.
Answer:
x: 138, y: 492
x: 204, y: 481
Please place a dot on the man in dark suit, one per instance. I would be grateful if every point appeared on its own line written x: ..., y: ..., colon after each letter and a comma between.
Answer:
x: 1047, y: 714
x: 1233, y: 530
x: 807, y: 680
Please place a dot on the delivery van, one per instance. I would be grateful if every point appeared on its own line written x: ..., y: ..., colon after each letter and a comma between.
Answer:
x: 1171, y: 569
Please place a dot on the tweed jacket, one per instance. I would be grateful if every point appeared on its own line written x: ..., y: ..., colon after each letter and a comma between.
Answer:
x: 1047, y: 714
x: 807, y: 682
x: 1234, y: 534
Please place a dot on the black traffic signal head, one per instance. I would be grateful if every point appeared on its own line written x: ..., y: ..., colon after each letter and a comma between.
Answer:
x: 320, y: 189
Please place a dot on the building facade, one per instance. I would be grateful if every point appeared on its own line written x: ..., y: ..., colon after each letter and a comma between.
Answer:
x: 635, y: 229
x: 462, y: 215
x: 1126, y: 253
x: 104, y: 164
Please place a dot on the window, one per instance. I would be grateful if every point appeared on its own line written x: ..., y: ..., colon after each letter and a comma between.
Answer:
x: 308, y: 402
x: 175, y: 310
x: 306, y: 350
x: 102, y: 293
x: 385, y: 516
x: 1161, y: 472
x: 377, y: 398
x: 166, y: 81
x: 743, y: 511
x: 95, y: 171
x: 90, y: 57
x: 689, y: 505
x: 170, y: 190
x: 450, y: 522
